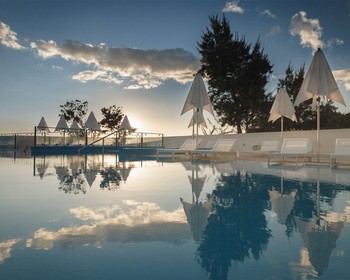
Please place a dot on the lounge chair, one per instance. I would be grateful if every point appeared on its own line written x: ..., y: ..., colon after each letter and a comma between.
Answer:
x: 293, y: 148
x: 267, y: 146
x: 342, y: 151
x: 186, y: 148
x: 222, y: 147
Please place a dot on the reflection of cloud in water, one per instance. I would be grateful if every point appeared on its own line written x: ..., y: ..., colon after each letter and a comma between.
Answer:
x: 6, y: 248
x: 134, y: 222
x: 304, y: 269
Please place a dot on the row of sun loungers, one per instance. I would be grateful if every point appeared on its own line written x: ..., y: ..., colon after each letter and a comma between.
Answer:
x: 292, y: 149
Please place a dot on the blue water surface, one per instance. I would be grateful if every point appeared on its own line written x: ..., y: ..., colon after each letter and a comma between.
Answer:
x: 96, y: 217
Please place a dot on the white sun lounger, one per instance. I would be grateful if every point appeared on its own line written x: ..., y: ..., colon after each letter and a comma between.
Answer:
x: 342, y: 151
x: 186, y: 148
x: 267, y: 146
x: 292, y: 148
x: 222, y: 147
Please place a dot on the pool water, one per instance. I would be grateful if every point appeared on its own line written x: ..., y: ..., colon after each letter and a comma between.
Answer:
x: 95, y: 217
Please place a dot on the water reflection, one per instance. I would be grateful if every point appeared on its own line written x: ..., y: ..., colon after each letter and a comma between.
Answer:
x: 197, y: 212
x: 76, y: 173
x: 237, y: 228
x: 238, y: 220
x: 130, y: 222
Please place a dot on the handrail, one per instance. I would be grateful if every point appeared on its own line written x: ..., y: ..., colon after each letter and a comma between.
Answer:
x: 96, y: 141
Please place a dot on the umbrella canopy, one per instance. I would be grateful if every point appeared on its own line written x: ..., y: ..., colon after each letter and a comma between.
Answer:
x: 62, y: 124
x: 197, y: 97
x: 197, y: 100
x: 319, y: 81
x: 125, y: 125
x: 75, y: 126
x: 197, y: 119
x: 43, y: 125
x: 91, y: 123
x: 319, y: 84
x: 282, y: 107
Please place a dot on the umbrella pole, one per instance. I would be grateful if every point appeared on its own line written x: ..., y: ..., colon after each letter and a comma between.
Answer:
x: 281, y: 126
x: 318, y: 130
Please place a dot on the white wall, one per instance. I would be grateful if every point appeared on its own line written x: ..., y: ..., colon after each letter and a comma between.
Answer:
x: 245, y: 142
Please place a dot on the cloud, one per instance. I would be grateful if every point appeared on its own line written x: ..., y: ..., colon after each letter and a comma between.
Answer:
x: 309, y: 30
x: 98, y: 75
x: 268, y: 13
x: 8, y: 37
x: 133, y: 67
x: 233, y: 7
x: 274, y: 31
x: 343, y: 76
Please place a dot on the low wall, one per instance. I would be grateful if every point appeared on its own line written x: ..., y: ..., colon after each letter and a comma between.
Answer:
x: 246, y: 142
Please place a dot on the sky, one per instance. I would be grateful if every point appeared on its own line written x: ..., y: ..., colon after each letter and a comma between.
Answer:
x: 142, y: 54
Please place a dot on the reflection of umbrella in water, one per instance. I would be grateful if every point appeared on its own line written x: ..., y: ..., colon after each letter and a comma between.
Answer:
x: 124, y: 171
x: 90, y: 176
x: 282, y: 107
x: 42, y: 167
x: 197, y: 100
x: 319, y: 84
x: 319, y: 235
x: 282, y: 204
x: 197, y: 216
x: 197, y: 212
x: 61, y: 172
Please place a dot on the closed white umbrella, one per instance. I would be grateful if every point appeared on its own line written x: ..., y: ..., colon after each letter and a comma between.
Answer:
x: 75, y: 126
x: 198, y: 100
x: 282, y: 107
x: 125, y: 125
x: 319, y: 84
x: 62, y: 124
x: 43, y: 125
x: 91, y: 123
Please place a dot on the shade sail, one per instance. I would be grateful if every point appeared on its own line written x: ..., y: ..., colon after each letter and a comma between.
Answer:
x: 91, y: 123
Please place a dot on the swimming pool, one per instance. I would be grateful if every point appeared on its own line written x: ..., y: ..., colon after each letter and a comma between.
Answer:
x: 95, y: 217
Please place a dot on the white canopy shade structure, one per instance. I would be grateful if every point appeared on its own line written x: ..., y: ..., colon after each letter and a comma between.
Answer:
x: 62, y: 124
x: 75, y: 127
x: 42, y: 126
x: 125, y: 125
x: 282, y: 107
x: 319, y: 84
x: 198, y: 100
x: 91, y: 123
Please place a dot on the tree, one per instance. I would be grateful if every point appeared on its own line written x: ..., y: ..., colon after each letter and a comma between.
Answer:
x: 74, y: 110
x: 112, y: 117
x: 237, y: 74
